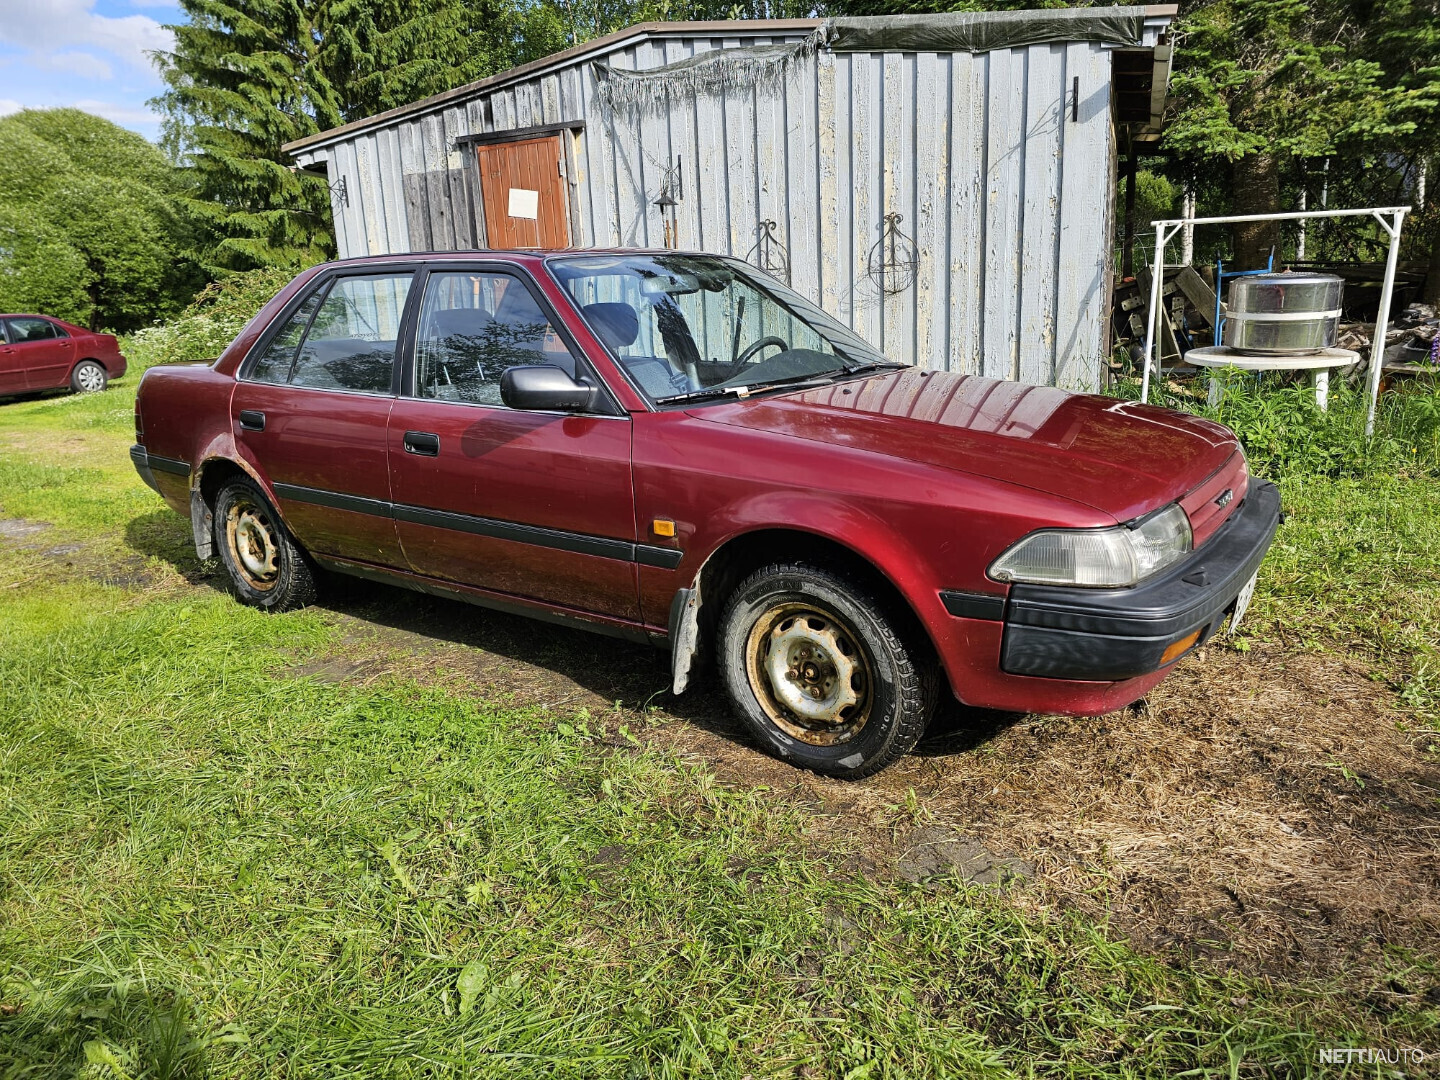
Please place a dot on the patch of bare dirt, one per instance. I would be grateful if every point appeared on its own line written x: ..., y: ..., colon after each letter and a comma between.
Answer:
x: 77, y: 447
x: 73, y: 559
x: 20, y: 530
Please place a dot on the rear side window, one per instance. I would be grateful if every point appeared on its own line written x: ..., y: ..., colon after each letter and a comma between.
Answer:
x: 275, y: 362
x: 342, y: 338
x: 33, y: 330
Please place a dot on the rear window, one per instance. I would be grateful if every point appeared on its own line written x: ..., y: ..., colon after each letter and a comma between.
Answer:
x: 32, y: 330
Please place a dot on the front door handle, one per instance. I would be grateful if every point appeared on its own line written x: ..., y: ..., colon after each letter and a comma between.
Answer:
x: 422, y: 443
x: 252, y: 420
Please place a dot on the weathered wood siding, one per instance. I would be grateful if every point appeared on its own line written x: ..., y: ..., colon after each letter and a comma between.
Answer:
x: 1001, y: 179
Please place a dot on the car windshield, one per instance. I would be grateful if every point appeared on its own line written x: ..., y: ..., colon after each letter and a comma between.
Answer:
x: 689, y: 327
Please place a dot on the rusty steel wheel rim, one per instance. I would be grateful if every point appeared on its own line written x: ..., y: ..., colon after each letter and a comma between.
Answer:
x: 254, y: 544
x: 810, y: 673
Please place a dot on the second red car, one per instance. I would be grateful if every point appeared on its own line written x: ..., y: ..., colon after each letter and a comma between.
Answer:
x: 41, y: 353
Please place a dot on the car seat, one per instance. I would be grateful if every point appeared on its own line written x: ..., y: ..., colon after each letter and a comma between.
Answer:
x: 618, y: 325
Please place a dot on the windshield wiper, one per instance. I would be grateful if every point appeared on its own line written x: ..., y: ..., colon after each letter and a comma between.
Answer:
x: 800, y: 382
x: 803, y: 383
x: 872, y: 365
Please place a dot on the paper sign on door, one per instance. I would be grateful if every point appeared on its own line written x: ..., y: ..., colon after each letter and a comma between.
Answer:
x: 524, y: 203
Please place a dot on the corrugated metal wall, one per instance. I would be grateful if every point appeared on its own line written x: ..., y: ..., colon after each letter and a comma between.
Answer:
x: 1002, y: 181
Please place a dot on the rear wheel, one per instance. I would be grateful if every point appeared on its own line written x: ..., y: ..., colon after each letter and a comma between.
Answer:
x: 88, y: 377
x: 267, y: 568
x: 821, y: 673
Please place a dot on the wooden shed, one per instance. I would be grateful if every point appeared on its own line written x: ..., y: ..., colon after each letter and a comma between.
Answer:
x: 944, y: 183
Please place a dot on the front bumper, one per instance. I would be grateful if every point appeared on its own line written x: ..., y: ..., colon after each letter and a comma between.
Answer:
x: 1108, y: 635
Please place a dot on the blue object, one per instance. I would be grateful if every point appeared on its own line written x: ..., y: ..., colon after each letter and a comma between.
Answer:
x: 1221, y: 277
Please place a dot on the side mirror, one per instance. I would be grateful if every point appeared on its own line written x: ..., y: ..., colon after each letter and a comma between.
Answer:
x: 544, y: 387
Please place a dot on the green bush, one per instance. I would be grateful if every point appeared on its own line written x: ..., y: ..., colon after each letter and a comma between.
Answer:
x: 91, y: 228
x: 210, y: 323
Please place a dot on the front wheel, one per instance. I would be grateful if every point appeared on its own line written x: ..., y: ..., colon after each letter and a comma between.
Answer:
x: 821, y: 673
x: 267, y: 567
x: 88, y: 378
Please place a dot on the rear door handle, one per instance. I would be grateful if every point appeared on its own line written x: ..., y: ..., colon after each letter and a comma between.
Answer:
x: 422, y: 443
x: 252, y: 420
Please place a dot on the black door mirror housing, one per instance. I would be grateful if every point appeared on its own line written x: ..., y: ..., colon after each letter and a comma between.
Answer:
x: 544, y: 387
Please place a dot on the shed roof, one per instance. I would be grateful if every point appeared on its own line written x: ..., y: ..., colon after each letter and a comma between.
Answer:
x: 979, y: 27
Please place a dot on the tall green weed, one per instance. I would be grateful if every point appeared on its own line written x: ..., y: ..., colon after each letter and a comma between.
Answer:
x: 1285, y: 433
x: 209, y: 324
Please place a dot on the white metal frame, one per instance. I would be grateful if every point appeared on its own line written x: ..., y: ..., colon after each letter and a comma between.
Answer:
x: 1165, y: 231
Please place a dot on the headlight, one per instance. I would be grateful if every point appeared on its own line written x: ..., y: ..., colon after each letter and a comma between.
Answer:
x: 1099, y: 558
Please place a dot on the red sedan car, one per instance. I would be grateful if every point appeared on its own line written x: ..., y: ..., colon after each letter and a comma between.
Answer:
x: 41, y: 353
x: 675, y: 449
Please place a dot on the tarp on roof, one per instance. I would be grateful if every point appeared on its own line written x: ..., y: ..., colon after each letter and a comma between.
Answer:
x: 983, y: 31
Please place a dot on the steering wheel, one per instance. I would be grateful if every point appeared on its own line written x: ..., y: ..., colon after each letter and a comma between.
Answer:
x: 753, y: 349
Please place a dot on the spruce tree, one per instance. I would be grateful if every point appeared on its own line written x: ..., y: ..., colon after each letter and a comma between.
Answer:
x: 243, y: 80
x: 1265, y: 84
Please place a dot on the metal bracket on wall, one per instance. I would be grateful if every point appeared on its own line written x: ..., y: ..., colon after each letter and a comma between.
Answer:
x: 894, y: 259
x: 338, y: 190
x: 769, y: 253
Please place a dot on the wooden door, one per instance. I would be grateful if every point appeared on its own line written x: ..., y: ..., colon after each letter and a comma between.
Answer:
x: 524, y: 194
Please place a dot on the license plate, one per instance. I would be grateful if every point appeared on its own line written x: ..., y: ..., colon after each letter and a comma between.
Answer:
x: 1243, y: 601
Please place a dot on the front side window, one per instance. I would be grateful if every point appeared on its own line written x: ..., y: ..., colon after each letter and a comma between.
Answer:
x: 475, y: 324
x: 687, y: 326
x: 33, y: 330
x: 341, y: 338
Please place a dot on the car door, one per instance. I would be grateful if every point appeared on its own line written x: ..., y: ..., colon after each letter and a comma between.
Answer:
x: 43, y: 352
x: 532, y: 504
x: 310, y: 410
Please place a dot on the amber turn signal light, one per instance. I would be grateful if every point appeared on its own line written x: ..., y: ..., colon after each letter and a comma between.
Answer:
x: 663, y: 527
x: 1179, y: 647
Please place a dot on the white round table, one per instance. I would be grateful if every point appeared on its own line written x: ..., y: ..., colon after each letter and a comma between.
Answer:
x: 1320, y: 363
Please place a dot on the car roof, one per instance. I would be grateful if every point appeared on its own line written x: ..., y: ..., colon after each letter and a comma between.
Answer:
x: 517, y: 255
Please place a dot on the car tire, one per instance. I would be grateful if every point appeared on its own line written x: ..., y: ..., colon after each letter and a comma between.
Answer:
x: 89, y: 377
x: 822, y: 673
x: 267, y: 568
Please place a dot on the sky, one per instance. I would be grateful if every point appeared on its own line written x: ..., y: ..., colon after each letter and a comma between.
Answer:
x: 91, y: 54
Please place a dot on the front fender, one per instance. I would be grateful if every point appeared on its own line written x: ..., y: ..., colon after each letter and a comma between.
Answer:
x: 863, y: 533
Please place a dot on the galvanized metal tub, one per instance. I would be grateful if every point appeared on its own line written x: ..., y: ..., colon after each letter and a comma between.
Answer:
x: 1283, y: 313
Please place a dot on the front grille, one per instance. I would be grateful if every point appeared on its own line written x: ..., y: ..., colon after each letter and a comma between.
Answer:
x: 1207, y: 505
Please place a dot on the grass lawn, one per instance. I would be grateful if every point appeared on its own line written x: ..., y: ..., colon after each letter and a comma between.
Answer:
x: 216, y: 863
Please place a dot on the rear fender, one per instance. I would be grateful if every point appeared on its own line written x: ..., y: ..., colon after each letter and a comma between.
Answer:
x: 221, y: 449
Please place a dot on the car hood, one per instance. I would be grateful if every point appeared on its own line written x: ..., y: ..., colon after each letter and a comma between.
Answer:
x: 1119, y: 457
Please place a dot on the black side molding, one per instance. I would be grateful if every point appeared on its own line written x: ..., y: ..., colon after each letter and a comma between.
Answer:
x: 561, y: 540
x: 335, y: 500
